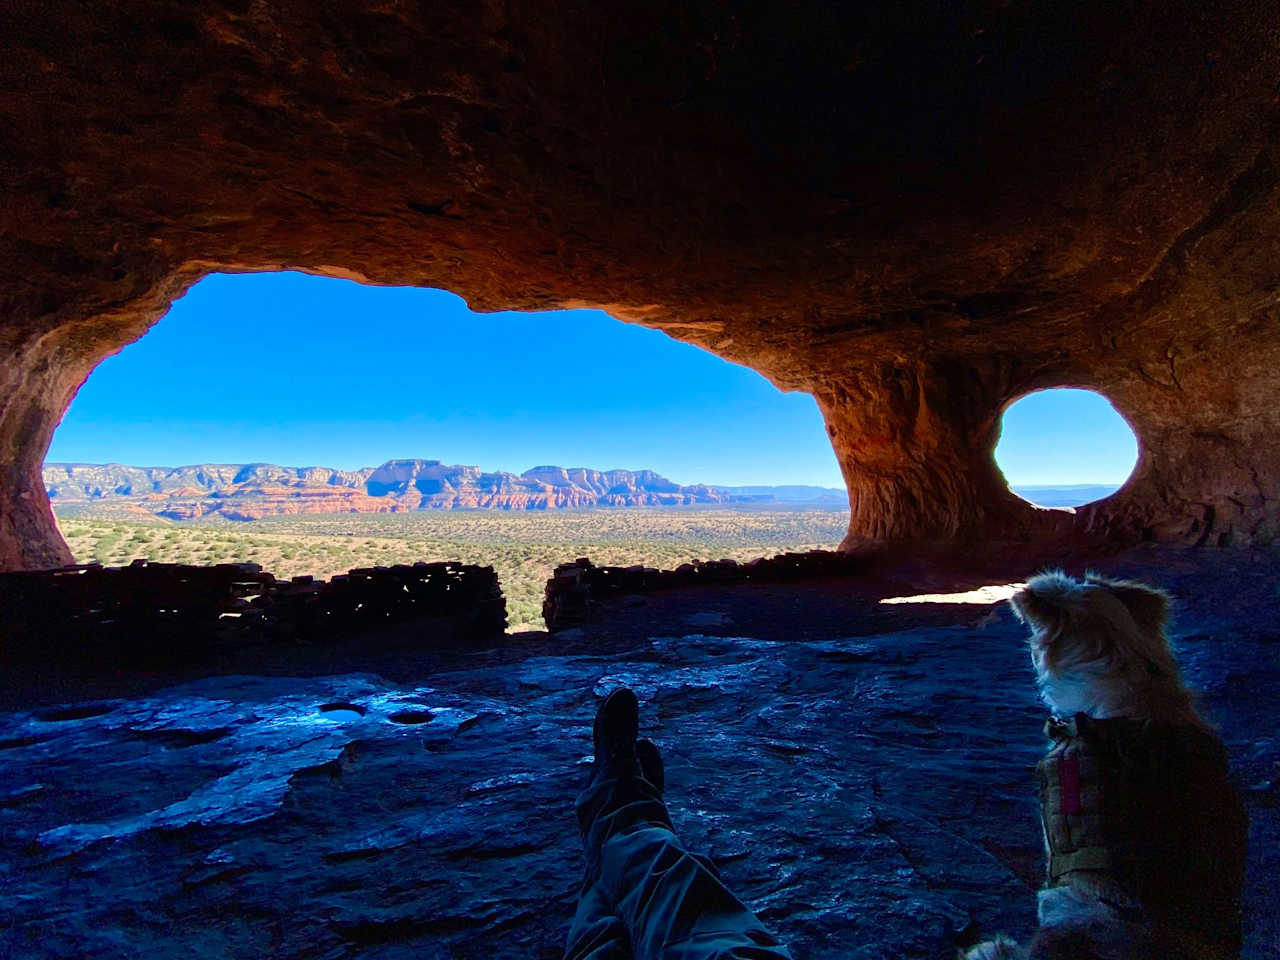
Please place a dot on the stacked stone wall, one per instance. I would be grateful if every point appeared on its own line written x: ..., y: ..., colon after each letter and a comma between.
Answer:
x: 576, y: 591
x: 149, y: 613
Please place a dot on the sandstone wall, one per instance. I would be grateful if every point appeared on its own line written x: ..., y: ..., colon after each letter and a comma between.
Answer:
x: 915, y: 213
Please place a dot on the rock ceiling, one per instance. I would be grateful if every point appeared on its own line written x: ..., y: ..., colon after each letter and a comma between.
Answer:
x: 916, y: 212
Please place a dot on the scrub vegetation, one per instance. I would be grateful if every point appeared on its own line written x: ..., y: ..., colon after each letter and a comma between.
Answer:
x: 524, y: 547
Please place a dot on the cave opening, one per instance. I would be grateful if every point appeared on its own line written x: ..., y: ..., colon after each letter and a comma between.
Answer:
x: 316, y: 425
x: 1065, y: 447
x: 915, y: 213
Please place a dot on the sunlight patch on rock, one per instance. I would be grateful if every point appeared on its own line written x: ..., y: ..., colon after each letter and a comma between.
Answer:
x: 993, y: 593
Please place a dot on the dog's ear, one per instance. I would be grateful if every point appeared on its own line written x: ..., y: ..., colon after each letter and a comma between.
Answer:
x: 1046, y: 601
x: 1149, y: 606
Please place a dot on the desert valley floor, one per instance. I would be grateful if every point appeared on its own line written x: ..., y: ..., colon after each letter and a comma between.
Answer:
x: 523, y: 546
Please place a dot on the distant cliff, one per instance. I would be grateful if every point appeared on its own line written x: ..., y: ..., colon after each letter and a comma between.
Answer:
x: 792, y: 493
x: 255, y: 490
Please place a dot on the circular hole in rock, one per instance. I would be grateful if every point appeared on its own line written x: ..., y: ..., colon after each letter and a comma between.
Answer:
x: 80, y: 711
x: 1065, y: 447
x: 411, y: 716
x: 342, y: 711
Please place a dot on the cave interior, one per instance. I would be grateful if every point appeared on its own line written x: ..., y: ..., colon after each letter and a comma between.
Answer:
x: 918, y: 213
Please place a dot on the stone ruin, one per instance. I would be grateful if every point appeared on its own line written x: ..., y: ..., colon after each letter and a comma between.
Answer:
x: 577, y: 591
x: 157, y: 614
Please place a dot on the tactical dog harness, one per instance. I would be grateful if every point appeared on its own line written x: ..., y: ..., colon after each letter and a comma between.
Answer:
x: 1150, y: 806
x: 1079, y: 778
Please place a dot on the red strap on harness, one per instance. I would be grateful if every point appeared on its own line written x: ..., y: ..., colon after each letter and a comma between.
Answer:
x: 1069, y: 776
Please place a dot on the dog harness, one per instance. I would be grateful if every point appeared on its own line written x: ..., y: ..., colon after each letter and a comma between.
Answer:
x: 1150, y: 806
x: 1078, y: 778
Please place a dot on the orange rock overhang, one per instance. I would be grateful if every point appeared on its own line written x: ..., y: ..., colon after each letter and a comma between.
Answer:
x: 915, y: 213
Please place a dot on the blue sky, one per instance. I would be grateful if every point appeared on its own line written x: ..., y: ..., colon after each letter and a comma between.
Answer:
x: 302, y: 370
x: 1065, y: 436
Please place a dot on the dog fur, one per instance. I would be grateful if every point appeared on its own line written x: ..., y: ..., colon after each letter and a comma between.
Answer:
x: 1099, y: 648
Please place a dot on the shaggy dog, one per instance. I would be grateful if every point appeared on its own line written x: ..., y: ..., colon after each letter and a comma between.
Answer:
x: 1144, y: 835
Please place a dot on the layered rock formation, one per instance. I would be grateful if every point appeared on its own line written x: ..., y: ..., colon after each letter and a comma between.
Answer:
x: 240, y: 491
x: 915, y: 213
x: 256, y: 490
x: 430, y: 484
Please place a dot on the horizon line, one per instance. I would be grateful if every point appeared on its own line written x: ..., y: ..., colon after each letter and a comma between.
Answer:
x: 1012, y: 483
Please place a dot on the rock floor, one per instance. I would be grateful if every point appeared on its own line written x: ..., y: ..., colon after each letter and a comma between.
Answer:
x: 869, y: 796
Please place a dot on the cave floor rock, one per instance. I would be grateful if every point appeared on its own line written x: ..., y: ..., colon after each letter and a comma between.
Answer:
x: 868, y: 795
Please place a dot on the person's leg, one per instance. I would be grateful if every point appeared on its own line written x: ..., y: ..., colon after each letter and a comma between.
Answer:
x: 674, y: 904
x: 596, y: 931
x: 610, y: 801
x: 670, y: 901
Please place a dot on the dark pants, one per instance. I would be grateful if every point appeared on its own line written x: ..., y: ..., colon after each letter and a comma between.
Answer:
x: 644, y: 895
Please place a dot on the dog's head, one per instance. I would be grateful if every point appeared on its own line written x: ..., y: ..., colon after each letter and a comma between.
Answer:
x: 1107, y: 629
x: 1074, y: 620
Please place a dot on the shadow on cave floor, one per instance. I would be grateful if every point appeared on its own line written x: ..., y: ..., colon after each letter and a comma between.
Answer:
x: 860, y: 772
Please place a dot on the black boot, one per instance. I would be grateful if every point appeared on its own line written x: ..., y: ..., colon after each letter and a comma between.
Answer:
x: 627, y: 773
x: 614, y: 732
x: 616, y: 725
x: 651, y: 764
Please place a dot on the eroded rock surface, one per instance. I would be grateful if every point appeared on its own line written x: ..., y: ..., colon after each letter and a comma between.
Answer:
x: 915, y: 213
x: 870, y: 796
